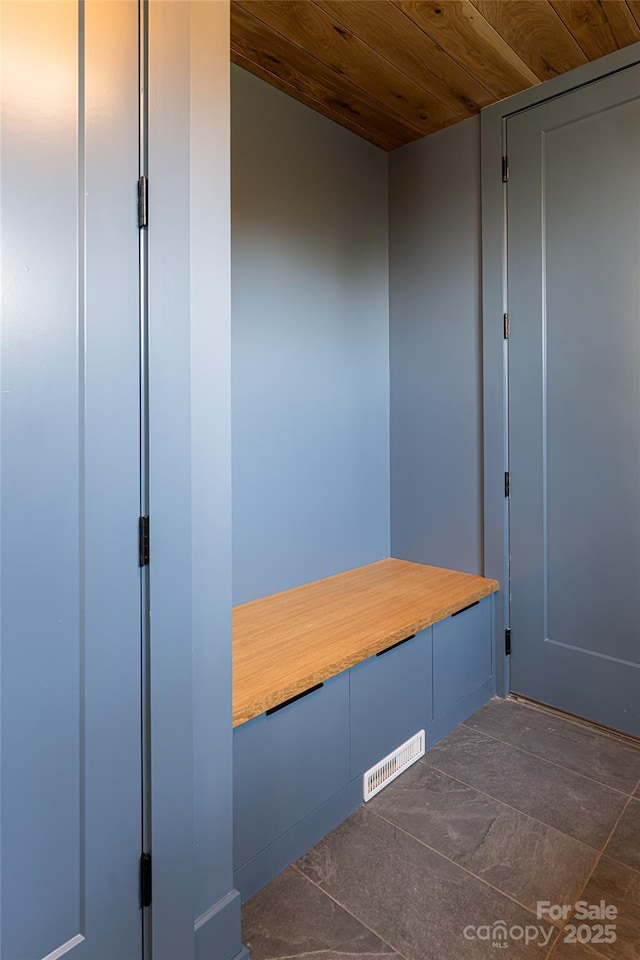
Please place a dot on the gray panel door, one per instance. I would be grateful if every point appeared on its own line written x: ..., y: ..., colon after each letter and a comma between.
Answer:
x: 574, y: 430
x: 69, y: 442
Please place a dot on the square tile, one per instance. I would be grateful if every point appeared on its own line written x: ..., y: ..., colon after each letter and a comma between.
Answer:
x: 291, y: 918
x: 424, y: 905
x: 620, y: 886
x: 522, y: 857
x: 612, y: 761
x: 625, y: 842
x: 573, y: 804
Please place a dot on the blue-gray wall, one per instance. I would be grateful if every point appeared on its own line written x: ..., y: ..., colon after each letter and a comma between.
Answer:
x: 310, y: 363
x: 435, y: 349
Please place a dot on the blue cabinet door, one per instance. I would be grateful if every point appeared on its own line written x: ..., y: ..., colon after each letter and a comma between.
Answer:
x: 390, y: 700
x: 461, y: 654
x: 70, y: 483
x: 287, y: 763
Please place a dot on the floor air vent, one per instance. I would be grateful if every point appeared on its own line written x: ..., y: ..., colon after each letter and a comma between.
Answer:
x: 393, y: 765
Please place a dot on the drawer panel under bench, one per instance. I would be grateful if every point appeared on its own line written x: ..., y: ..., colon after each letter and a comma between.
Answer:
x: 286, y: 763
x: 390, y: 700
x: 461, y: 654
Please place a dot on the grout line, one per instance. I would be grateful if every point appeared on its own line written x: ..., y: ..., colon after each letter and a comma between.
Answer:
x: 466, y: 870
x: 620, y: 863
x: 593, y: 869
x: 553, y: 945
x: 523, y: 813
x: 606, y: 844
x: 351, y: 914
x: 559, y: 926
x: 551, y: 763
x: 632, y: 799
x: 591, y: 950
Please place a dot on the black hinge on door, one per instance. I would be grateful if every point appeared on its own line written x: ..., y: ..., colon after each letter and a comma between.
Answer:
x: 505, y: 326
x: 505, y: 169
x: 507, y: 641
x: 145, y: 880
x: 507, y: 484
x: 143, y: 541
x: 143, y: 202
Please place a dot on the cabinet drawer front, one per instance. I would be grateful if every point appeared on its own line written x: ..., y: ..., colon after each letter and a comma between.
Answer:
x: 461, y: 655
x: 287, y: 763
x: 390, y: 700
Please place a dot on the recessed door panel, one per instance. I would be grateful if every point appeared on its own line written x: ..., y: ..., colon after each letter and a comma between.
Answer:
x: 69, y: 469
x: 574, y: 430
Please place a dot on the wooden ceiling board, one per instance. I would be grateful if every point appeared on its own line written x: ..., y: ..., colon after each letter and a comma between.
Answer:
x: 303, y: 23
x: 392, y: 71
x: 622, y: 22
x: 388, y: 30
x: 634, y: 7
x: 590, y: 25
x: 300, y: 70
x: 463, y: 32
x: 326, y: 111
x: 534, y: 31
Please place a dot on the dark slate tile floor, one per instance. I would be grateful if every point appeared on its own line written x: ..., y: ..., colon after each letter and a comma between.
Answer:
x: 571, y: 745
x: 516, y: 806
x: 294, y: 918
x: 625, y: 842
x: 572, y: 803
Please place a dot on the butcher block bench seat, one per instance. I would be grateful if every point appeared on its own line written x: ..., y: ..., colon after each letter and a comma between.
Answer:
x: 286, y: 643
x: 333, y: 676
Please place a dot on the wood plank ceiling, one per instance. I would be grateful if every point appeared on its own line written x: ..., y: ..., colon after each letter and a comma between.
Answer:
x: 395, y: 70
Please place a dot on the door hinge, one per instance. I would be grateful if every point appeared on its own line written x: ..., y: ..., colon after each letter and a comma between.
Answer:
x: 143, y: 202
x: 507, y: 642
x: 143, y: 541
x: 507, y: 484
x: 145, y: 880
x: 505, y: 326
x: 505, y: 169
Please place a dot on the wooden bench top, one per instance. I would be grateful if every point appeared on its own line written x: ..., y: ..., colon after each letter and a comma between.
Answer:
x: 287, y: 642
